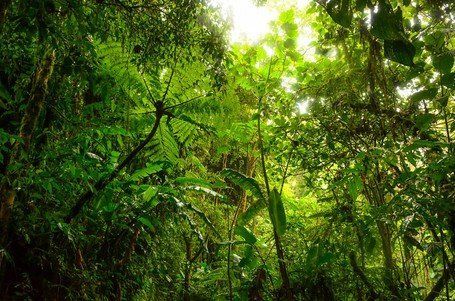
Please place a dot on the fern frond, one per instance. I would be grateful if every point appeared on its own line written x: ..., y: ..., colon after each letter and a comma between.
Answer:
x: 163, y: 146
x: 184, y: 131
x: 118, y: 64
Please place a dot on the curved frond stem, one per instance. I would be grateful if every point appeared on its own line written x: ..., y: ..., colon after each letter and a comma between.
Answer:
x: 185, y: 102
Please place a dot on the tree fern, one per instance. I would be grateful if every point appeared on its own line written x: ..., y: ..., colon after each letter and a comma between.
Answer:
x: 117, y: 63
x: 142, y: 87
x: 163, y: 146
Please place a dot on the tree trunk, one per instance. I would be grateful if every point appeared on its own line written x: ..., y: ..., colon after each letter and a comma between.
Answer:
x: 286, y: 292
x: 439, y: 285
x: 389, y: 265
x: 3, y: 9
x: 19, y: 151
x: 186, y: 281
x: 373, y: 295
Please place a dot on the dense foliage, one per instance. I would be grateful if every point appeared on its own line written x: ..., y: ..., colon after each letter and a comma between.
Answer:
x: 143, y: 157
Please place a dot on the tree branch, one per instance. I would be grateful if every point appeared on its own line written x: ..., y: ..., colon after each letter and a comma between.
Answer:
x: 439, y: 285
x: 104, y: 181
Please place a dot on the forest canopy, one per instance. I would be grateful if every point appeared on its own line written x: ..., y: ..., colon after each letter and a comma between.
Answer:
x: 146, y: 154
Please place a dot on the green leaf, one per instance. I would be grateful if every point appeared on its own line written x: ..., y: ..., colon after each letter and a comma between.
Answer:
x: 251, y: 212
x: 416, y: 144
x: 163, y: 145
x: 370, y: 243
x: 205, y: 190
x: 443, y: 63
x: 110, y: 207
x: 244, y: 182
x: 412, y: 241
x: 435, y: 40
x: 327, y: 257
x: 287, y: 16
x: 400, y: 51
x: 146, y: 222
x: 192, y: 181
x: 355, y: 187
x: 387, y: 24
x: 442, y: 101
x: 289, y: 43
x: 340, y: 12
x: 277, y: 213
x: 448, y: 80
x: 246, y: 234
x: 248, y: 260
x: 312, y: 254
x: 198, y: 212
x: 149, y: 193
x: 145, y: 172
x: 423, y: 121
x: 206, y: 128
x: 428, y: 94
x: 291, y: 29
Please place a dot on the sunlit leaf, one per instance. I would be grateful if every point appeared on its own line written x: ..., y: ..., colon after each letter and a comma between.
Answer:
x: 246, y: 234
x: 276, y: 212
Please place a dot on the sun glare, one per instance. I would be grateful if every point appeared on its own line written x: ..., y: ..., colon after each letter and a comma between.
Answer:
x: 250, y: 22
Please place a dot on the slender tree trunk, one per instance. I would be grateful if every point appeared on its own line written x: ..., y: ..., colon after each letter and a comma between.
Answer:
x: 250, y: 166
x: 231, y: 236
x: 19, y: 151
x: 3, y: 9
x: 186, y: 281
x: 439, y: 285
x: 389, y: 265
x: 359, y: 272
x: 282, y: 264
x: 286, y: 284
x: 375, y: 196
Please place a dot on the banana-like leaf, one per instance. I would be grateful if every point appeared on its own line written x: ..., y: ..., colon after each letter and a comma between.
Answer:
x: 192, y: 181
x: 251, y: 212
x: 198, y: 212
x: 251, y: 185
x: 244, y: 182
x: 206, y: 191
x: 246, y: 234
x: 195, y: 230
x: 276, y: 211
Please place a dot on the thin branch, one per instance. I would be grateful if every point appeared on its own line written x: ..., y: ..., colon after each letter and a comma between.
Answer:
x: 104, y: 181
x: 286, y: 171
x: 279, y: 249
x: 261, y: 146
x: 185, y: 102
x: 149, y: 92
x: 439, y: 285
x: 163, y: 99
